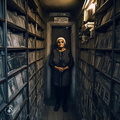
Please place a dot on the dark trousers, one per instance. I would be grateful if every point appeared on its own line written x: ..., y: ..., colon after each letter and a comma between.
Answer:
x: 61, y: 93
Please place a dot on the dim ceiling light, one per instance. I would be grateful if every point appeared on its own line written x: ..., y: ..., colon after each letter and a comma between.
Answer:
x: 59, y: 2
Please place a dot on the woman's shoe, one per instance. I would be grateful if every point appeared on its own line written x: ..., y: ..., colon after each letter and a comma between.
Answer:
x: 56, y: 108
x: 65, y: 108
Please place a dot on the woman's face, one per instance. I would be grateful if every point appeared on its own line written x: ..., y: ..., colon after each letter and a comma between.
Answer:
x: 61, y: 43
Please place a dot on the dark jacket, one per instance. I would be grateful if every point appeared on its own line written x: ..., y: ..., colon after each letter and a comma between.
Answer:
x: 61, y: 59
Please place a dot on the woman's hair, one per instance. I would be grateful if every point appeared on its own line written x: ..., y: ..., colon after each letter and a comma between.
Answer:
x: 62, y: 39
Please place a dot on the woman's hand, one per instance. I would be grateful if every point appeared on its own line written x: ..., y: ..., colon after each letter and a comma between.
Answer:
x: 65, y: 68
x: 61, y: 69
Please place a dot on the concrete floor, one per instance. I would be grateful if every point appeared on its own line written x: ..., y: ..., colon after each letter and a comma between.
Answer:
x: 60, y: 115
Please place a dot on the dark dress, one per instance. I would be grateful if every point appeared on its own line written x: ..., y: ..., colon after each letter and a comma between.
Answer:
x: 61, y: 80
x: 61, y: 59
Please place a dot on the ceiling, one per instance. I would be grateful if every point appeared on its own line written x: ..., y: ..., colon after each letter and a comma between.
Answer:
x: 61, y: 5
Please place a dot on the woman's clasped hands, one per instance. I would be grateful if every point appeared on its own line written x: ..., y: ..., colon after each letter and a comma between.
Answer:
x: 61, y: 69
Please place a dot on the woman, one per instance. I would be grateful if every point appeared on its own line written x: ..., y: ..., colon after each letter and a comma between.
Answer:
x: 61, y: 62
